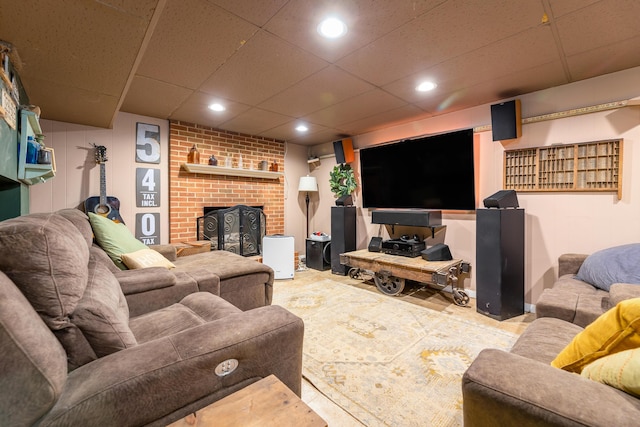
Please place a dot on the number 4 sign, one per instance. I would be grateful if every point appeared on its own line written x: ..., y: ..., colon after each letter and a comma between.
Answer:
x: 147, y: 188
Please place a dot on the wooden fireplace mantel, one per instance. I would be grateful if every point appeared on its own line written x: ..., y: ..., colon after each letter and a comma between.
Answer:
x: 221, y: 170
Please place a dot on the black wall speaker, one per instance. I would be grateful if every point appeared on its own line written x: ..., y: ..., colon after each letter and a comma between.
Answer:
x: 437, y: 252
x: 343, y: 150
x: 375, y: 245
x: 506, y: 120
x: 502, y: 199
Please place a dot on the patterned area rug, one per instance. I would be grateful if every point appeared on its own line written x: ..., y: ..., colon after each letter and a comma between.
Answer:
x: 387, y: 362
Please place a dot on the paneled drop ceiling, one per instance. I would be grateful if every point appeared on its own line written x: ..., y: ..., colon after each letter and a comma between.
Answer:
x: 82, y: 61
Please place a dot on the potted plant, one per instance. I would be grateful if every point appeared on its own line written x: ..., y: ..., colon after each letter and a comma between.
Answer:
x: 342, y: 180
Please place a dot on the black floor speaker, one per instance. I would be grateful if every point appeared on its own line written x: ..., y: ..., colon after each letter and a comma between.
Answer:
x: 500, y: 262
x: 343, y: 236
x: 318, y: 255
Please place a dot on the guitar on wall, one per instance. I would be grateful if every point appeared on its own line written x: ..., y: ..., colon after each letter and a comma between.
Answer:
x: 104, y: 205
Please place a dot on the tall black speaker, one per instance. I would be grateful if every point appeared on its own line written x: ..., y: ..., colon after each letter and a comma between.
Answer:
x: 500, y: 262
x: 343, y: 236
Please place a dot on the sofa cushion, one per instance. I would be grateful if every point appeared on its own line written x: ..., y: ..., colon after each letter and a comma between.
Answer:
x: 80, y: 220
x: 145, y: 258
x: 102, y: 314
x: 193, y: 310
x: 34, y: 365
x: 46, y: 257
x: 115, y: 238
x: 620, y: 264
x: 616, y: 330
x: 620, y: 370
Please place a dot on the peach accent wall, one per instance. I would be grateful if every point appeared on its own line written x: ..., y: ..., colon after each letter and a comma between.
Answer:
x: 189, y: 193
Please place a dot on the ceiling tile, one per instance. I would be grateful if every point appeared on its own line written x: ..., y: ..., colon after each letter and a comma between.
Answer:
x: 605, y: 59
x: 76, y: 31
x: 601, y: 24
x: 73, y: 105
x: 394, y: 117
x: 326, y: 87
x: 256, y: 12
x: 356, y: 108
x: 366, y: 20
x: 195, y: 110
x: 450, y: 30
x: 152, y: 98
x: 255, y: 121
x: 263, y: 67
x: 192, y: 39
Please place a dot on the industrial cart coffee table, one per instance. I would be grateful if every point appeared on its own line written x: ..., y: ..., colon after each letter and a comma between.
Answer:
x: 390, y: 272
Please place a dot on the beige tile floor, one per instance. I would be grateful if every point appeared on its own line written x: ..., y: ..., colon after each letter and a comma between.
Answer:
x: 414, y: 293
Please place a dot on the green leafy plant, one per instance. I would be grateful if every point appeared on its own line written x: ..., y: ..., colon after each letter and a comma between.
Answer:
x: 342, y: 180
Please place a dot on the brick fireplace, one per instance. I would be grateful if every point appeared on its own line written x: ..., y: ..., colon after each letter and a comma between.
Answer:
x: 190, y: 193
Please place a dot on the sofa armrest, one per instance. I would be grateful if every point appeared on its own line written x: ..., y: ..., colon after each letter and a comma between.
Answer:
x: 622, y: 291
x: 570, y: 263
x: 166, y: 379
x: 501, y: 389
x: 168, y: 251
x: 144, y: 279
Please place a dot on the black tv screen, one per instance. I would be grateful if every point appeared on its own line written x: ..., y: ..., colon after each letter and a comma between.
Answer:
x: 432, y: 172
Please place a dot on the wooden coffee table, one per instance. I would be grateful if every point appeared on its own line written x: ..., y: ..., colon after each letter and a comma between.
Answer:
x: 265, y: 403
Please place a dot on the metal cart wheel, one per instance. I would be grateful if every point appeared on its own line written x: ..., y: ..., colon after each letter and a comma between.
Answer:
x: 388, y: 285
x: 460, y: 298
x: 354, y: 273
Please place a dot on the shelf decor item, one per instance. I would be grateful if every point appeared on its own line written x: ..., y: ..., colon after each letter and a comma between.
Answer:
x: 342, y: 180
x: 194, y: 155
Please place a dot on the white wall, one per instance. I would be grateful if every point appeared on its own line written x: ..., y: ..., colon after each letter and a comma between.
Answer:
x: 78, y: 175
x: 556, y: 223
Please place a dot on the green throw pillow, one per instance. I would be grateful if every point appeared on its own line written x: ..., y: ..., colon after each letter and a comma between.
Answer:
x: 115, y: 238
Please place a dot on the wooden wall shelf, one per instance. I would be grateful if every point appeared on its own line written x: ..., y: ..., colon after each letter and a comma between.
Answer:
x: 589, y: 166
x: 221, y: 170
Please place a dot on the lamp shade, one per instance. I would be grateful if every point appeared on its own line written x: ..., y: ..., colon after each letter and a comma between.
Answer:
x: 308, y: 183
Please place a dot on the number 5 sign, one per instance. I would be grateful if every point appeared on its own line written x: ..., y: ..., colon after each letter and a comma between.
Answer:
x: 147, y: 143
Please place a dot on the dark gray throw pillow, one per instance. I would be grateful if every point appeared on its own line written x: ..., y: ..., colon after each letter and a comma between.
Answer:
x: 620, y: 264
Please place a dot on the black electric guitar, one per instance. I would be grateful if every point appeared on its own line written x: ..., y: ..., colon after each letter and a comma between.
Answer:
x: 104, y: 205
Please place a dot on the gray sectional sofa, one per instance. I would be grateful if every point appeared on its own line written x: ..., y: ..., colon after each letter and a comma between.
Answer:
x: 84, y: 343
x: 577, y: 301
x: 520, y: 387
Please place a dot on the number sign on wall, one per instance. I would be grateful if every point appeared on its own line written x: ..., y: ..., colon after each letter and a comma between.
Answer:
x: 148, y: 228
x: 147, y: 143
x: 147, y: 188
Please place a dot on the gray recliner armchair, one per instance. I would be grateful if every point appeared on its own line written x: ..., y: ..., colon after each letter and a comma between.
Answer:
x: 71, y: 355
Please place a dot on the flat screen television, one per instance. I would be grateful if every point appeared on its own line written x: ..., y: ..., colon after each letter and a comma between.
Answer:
x: 431, y: 172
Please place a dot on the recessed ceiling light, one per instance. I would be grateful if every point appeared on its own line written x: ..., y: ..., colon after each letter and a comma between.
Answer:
x: 217, y: 107
x: 426, y: 86
x: 332, y: 28
x: 302, y: 128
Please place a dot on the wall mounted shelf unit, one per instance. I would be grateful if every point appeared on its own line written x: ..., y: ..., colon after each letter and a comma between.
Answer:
x: 30, y: 173
x: 220, y: 170
x: 583, y: 167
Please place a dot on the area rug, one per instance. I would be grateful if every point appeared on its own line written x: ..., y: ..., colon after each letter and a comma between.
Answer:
x: 385, y: 361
